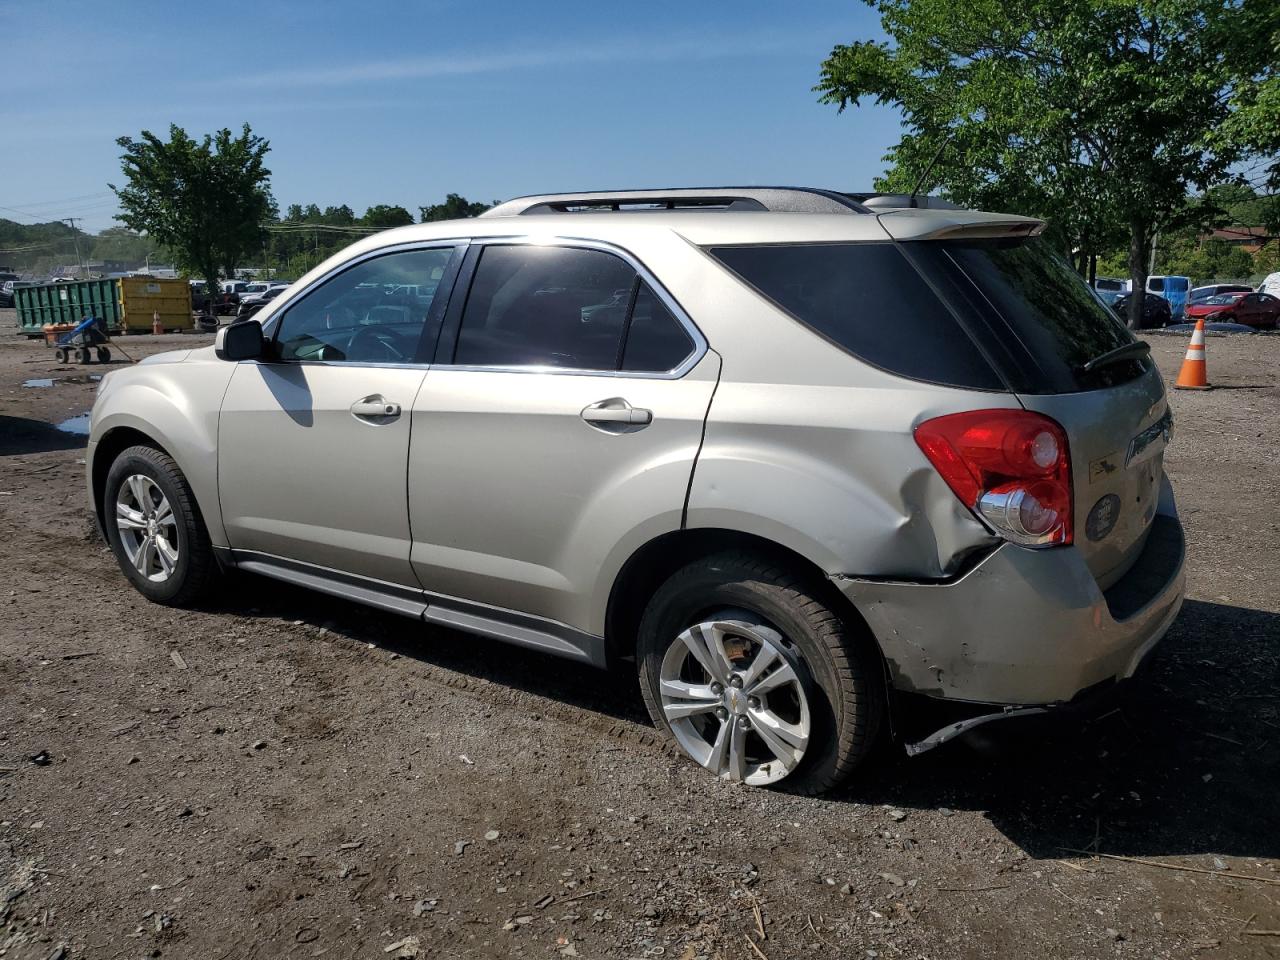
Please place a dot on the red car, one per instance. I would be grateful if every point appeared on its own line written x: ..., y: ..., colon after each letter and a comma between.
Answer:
x: 1252, y: 309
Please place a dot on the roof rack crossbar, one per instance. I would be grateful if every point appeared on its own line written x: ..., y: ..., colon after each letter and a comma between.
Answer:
x: 772, y: 199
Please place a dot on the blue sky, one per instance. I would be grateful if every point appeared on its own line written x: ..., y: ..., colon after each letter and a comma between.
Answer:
x: 402, y: 102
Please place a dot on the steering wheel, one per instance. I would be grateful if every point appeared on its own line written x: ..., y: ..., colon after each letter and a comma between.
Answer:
x: 371, y: 344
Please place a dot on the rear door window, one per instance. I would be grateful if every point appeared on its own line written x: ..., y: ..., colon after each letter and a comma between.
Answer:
x: 655, y: 339
x: 868, y: 300
x: 534, y: 305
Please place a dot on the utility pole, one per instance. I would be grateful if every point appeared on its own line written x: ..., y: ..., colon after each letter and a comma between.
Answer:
x: 75, y: 235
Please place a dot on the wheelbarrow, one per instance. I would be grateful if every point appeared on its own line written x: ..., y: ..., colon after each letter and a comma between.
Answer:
x: 85, y: 339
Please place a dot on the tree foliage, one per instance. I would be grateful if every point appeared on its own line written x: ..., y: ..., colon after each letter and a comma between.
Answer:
x: 383, y: 217
x: 1099, y: 115
x: 293, y: 249
x: 455, y: 207
x: 205, y: 200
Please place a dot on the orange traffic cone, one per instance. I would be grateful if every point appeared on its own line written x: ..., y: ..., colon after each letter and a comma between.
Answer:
x: 1194, y: 375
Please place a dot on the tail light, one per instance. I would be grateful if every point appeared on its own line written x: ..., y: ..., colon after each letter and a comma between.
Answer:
x: 1010, y: 467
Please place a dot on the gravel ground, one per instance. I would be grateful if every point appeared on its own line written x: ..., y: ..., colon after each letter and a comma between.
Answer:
x: 284, y: 775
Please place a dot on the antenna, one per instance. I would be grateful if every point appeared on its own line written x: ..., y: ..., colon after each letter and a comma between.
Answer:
x: 929, y: 169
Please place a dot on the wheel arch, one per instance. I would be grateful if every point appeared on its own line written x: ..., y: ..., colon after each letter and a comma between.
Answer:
x: 649, y: 566
x: 112, y: 443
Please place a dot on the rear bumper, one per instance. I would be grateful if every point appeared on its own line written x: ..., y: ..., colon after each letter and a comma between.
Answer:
x: 1025, y: 627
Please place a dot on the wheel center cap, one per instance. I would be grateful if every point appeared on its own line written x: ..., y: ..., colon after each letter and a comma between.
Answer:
x: 736, y: 701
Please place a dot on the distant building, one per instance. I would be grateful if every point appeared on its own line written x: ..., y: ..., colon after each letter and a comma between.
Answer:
x: 1249, y: 239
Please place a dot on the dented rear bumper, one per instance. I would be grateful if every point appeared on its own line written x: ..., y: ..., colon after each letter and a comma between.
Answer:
x: 1025, y: 627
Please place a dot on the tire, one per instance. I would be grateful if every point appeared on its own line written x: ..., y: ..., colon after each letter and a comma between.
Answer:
x: 82, y: 355
x: 60, y: 355
x: 104, y: 355
x: 835, y: 667
x: 194, y: 568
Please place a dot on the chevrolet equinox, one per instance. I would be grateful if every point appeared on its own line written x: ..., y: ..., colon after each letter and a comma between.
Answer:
x: 792, y: 454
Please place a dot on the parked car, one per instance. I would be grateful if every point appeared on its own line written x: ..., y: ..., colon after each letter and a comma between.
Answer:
x: 1201, y: 294
x: 249, y: 304
x: 7, y: 281
x: 229, y: 292
x: 215, y: 303
x: 1174, y: 289
x: 1260, y: 310
x: 795, y: 520
x: 1108, y: 288
x: 1156, y: 311
x: 1270, y: 284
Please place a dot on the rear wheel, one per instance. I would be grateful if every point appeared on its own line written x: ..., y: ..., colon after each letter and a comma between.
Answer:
x: 155, y: 528
x: 60, y: 355
x: 82, y: 355
x: 104, y: 355
x: 756, y: 678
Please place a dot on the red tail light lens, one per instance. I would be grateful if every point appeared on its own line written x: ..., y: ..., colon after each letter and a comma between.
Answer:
x: 1010, y: 467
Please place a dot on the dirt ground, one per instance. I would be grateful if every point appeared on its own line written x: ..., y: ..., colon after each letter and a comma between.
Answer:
x: 284, y: 775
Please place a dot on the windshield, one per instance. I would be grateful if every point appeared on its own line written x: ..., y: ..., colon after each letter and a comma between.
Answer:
x: 1226, y: 298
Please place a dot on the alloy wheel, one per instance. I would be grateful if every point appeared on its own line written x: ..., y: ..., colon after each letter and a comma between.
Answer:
x: 734, y: 700
x: 148, y: 528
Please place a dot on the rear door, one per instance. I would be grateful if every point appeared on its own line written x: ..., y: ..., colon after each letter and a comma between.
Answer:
x: 557, y: 429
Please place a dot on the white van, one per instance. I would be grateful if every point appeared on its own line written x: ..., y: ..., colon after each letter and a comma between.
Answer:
x: 1271, y: 285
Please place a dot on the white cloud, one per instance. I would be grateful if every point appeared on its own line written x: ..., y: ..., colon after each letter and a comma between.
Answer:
x: 457, y: 64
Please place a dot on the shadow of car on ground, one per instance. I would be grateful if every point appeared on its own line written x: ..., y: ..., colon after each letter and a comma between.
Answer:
x: 1185, y: 762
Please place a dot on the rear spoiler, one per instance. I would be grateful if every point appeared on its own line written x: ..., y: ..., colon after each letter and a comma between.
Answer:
x: 907, y: 224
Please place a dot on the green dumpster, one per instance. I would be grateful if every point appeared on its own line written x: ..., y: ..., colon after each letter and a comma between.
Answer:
x: 68, y: 302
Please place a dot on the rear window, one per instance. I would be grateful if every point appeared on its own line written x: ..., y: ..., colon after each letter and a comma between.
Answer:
x: 1034, y: 311
x: 867, y: 299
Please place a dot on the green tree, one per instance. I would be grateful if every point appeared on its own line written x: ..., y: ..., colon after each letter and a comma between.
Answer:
x: 1098, y: 114
x: 121, y: 243
x: 204, y: 200
x: 383, y: 217
x: 455, y: 207
x: 342, y: 216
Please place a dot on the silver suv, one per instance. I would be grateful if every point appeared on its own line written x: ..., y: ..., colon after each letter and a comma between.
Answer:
x: 794, y: 455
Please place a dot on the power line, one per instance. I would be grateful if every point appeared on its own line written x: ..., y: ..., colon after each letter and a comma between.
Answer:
x: 54, y: 203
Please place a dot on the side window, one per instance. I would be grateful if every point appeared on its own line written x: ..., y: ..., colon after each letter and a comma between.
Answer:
x: 545, y: 306
x: 379, y: 311
x: 1155, y: 284
x: 656, y: 342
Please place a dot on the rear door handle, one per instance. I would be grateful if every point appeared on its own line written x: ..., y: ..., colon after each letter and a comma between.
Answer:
x: 616, y: 412
x: 375, y: 407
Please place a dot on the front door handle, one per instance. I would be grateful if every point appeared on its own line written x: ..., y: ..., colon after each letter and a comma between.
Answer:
x: 375, y: 407
x: 616, y: 412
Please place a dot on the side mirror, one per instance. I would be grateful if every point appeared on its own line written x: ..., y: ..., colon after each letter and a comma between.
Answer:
x: 240, y: 341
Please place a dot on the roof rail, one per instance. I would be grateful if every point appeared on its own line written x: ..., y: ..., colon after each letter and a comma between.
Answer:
x: 772, y: 199
x: 902, y: 201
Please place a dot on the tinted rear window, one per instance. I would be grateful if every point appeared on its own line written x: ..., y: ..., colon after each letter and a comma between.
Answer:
x: 1033, y: 310
x: 869, y: 300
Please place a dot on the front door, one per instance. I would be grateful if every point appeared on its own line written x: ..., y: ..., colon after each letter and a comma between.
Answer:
x: 313, y: 446
x: 556, y: 432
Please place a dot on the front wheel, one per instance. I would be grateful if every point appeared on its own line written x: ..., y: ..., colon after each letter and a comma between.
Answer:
x: 155, y: 528
x: 756, y: 677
